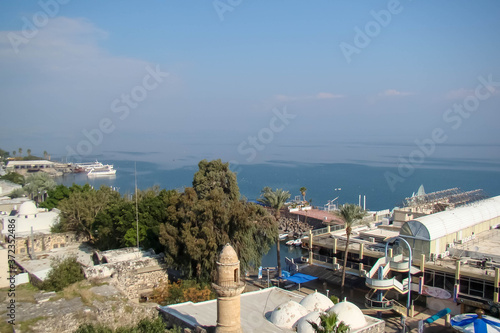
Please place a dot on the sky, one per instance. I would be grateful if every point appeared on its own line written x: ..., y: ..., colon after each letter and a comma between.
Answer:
x: 252, y: 81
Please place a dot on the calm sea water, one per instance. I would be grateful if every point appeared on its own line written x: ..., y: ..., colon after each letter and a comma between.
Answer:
x: 322, y: 181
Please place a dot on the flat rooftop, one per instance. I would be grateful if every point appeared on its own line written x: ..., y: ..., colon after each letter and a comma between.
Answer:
x: 256, y: 307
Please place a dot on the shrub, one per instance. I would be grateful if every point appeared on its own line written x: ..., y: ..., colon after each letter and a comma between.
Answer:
x: 64, y: 272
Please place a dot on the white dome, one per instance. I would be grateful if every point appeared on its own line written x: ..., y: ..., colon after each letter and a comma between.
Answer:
x: 316, y: 302
x: 287, y: 314
x: 350, y: 314
x: 28, y: 208
x: 303, y: 325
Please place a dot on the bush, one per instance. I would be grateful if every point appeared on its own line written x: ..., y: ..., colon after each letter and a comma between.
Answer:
x: 334, y: 299
x: 64, y: 272
x: 181, y: 291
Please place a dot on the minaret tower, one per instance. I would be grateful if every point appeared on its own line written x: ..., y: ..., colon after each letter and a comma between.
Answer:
x: 228, y: 288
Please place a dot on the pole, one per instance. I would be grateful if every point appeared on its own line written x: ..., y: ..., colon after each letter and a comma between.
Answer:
x: 136, y: 205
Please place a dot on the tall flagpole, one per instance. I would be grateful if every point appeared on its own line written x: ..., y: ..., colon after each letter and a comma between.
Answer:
x: 136, y: 205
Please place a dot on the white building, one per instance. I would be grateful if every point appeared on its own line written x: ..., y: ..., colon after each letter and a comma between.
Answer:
x: 29, y: 219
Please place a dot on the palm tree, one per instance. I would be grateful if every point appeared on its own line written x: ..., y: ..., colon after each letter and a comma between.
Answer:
x: 14, y: 153
x: 29, y: 152
x: 20, y: 151
x: 328, y: 324
x: 45, y: 154
x: 303, y: 190
x: 275, y: 199
x: 350, y: 214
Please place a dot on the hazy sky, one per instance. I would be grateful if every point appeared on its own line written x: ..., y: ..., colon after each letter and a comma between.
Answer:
x: 251, y: 81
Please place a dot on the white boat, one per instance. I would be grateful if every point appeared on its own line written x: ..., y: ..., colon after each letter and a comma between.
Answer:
x: 105, y: 170
x: 290, y: 242
x: 283, y: 236
x: 90, y: 165
x: 297, y: 242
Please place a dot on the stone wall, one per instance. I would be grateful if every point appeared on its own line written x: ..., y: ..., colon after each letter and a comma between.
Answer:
x: 132, y: 277
x: 46, y: 242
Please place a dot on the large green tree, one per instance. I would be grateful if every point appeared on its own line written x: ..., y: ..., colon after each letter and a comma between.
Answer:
x: 207, y: 216
x: 79, y: 210
x: 351, y: 214
x: 275, y: 199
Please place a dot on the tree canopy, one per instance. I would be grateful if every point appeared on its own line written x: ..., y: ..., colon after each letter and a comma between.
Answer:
x: 204, y: 218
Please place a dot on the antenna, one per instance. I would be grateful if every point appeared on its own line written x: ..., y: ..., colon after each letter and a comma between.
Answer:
x: 136, y: 205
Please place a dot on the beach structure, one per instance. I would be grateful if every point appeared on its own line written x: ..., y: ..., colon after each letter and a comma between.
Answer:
x: 454, y: 255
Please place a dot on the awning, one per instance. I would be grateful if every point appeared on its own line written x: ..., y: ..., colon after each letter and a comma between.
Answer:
x: 301, y: 278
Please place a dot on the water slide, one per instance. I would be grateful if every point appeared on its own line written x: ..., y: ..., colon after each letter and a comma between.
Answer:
x: 377, y: 279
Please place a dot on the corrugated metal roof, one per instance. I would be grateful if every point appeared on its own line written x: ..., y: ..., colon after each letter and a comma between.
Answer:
x: 444, y: 223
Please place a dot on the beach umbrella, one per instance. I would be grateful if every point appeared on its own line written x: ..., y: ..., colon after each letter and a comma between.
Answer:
x: 475, y: 323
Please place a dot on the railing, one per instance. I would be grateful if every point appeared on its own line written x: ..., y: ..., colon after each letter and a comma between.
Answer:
x: 321, y: 258
x: 384, y: 304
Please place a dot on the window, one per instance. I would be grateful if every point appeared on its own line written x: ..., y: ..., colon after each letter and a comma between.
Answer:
x: 236, y: 275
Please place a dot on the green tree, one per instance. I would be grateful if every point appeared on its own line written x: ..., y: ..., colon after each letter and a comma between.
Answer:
x: 29, y: 152
x: 14, y: 153
x: 64, y: 272
x: 38, y: 182
x: 201, y: 220
x: 55, y: 195
x: 79, y: 210
x: 20, y: 150
x: 215, y: 175
x: 14, y: 177
x: 45, y: 155
x: 351, y: 214
x: 328, y: 324
x: 303, y: 191
x: 275, y: 199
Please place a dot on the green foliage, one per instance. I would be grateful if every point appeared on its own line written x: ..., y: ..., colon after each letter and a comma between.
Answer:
x: 4, y: 154
x: 274, y: 199
x: 303, y: 191
x: 64, y: 272
x: 328, y: 324
x: 203, y: 219
x: 334, y: 299
x: 144, y: 326
x: 79, y: 210
x: 14, y: 177
x: 55, y: 195
x: 17, y: 193
x: 215, y: 175
x: 39, y: 182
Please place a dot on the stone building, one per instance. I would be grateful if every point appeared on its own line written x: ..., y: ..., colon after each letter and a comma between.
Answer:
x: 131, y: 270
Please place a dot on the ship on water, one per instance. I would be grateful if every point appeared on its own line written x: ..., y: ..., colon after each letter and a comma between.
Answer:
x: 96, y: 169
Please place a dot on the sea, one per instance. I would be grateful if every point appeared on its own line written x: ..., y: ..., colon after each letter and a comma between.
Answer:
x: 379, y: 187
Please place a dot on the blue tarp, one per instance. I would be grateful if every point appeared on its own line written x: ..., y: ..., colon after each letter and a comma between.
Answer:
x: 301, y: 278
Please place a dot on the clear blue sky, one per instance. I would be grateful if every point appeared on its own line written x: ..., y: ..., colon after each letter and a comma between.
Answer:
x: 230, y: 66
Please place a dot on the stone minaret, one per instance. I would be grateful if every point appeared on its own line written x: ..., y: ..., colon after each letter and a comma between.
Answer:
x: 228, y: 288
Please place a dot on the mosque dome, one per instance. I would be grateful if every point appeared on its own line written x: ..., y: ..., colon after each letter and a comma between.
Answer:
x: 228, y: 255
x: 287, y: 314
x: 28, y: 208
x: 316, y: 302
x: 350, y: 314
x: 303, y: 325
